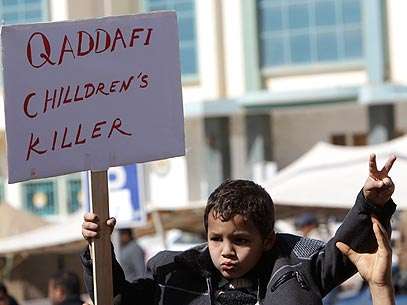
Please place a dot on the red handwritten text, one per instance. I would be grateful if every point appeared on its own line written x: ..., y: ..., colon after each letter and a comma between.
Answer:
x: 35, y: 103
x: 68, y: 138
x: 40, y: 51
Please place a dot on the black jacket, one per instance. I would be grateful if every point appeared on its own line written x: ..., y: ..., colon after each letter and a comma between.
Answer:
x: 72, y: 300
x: 296, y: 271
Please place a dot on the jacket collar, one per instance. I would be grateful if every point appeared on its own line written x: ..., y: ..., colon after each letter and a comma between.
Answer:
x: 197, y: 260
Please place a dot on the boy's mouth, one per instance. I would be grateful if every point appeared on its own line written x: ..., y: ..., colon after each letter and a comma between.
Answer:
x: 228, y: 266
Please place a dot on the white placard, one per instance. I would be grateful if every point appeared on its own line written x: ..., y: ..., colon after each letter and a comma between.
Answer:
x: 87, y: 95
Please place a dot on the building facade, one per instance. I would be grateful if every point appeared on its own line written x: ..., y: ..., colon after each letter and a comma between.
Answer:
x: 263, y: 81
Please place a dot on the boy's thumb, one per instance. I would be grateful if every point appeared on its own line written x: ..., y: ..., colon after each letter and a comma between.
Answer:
x: 111, y: 222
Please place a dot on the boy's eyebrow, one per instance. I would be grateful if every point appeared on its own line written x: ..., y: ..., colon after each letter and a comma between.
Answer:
x: 241, y: 233
x: 235, y: 233
x: 213, y: 233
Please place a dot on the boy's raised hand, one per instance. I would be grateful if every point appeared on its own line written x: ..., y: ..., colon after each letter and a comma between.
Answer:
x: 91, y: 227
x: 379, y: 187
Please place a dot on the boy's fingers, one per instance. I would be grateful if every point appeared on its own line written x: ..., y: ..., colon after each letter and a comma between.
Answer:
x: 347, y: 251
x: 91, y: 217
x: 90, y: 230
x: 111, y: 222
x: 387, y: 182
x: 89, y: 234
x: 371, y: 184
x: 372, y: 165
x: 90, y: 226
x: 387, y: 167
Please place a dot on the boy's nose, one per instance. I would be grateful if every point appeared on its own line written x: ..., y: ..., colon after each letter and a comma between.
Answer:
x: 227, y: 249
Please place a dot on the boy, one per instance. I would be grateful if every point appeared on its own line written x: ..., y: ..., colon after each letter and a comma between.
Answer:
x: 244, y: 261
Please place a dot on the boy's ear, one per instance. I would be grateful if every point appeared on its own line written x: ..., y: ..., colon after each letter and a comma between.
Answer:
x: 269, y: 241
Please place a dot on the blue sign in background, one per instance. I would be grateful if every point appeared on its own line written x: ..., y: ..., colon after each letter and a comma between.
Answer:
x: 124, y: 196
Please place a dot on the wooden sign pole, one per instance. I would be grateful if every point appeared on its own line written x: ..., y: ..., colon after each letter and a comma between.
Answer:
x: 101, y: 247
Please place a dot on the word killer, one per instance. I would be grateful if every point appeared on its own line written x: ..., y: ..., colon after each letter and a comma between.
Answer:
x: 67, y: 138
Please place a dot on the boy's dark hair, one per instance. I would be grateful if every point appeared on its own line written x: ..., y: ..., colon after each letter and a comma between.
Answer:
x: 68, y: 281
x: 245, y: 198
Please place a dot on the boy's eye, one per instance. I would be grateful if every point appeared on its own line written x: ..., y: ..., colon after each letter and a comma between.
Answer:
x: 241, y: 241
x: 216, y: 238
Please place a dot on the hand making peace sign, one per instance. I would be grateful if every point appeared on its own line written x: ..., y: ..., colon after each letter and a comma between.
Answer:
x: 379, y: 187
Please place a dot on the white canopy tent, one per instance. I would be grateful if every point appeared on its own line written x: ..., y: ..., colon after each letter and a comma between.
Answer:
x: 65, y: 236
x: 59, y: 237
x: 330, y: 176
x: 15, y: 221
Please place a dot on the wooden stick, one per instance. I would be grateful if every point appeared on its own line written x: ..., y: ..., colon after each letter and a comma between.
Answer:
x: 101, y: 247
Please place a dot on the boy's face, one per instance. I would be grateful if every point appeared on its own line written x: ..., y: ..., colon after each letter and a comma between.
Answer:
x: 236, y: 245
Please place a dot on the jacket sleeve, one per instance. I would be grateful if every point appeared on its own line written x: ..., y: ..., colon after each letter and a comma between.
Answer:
x: 329, y: 266
x: 143, y: 291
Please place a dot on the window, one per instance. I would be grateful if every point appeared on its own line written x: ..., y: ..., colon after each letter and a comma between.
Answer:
x: 23, y: 11
x: 359, y: 139
x: 338, y: 139
x: 74, y: 193
x: 187, y: 30
x: 350, y: 139
x: 301, y: 32
x: 40, y: 198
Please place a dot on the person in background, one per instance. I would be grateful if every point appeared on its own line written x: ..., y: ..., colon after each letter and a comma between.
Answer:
x: 131, y: 255
x: 5, y: 298
x: 307, y: 226
x: 375, y: 267
x: 64, y: 289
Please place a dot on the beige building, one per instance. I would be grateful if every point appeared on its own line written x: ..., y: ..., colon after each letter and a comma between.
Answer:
x: 263, y: 81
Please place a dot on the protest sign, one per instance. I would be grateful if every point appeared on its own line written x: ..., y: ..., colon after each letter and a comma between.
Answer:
x: 87, y: 95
